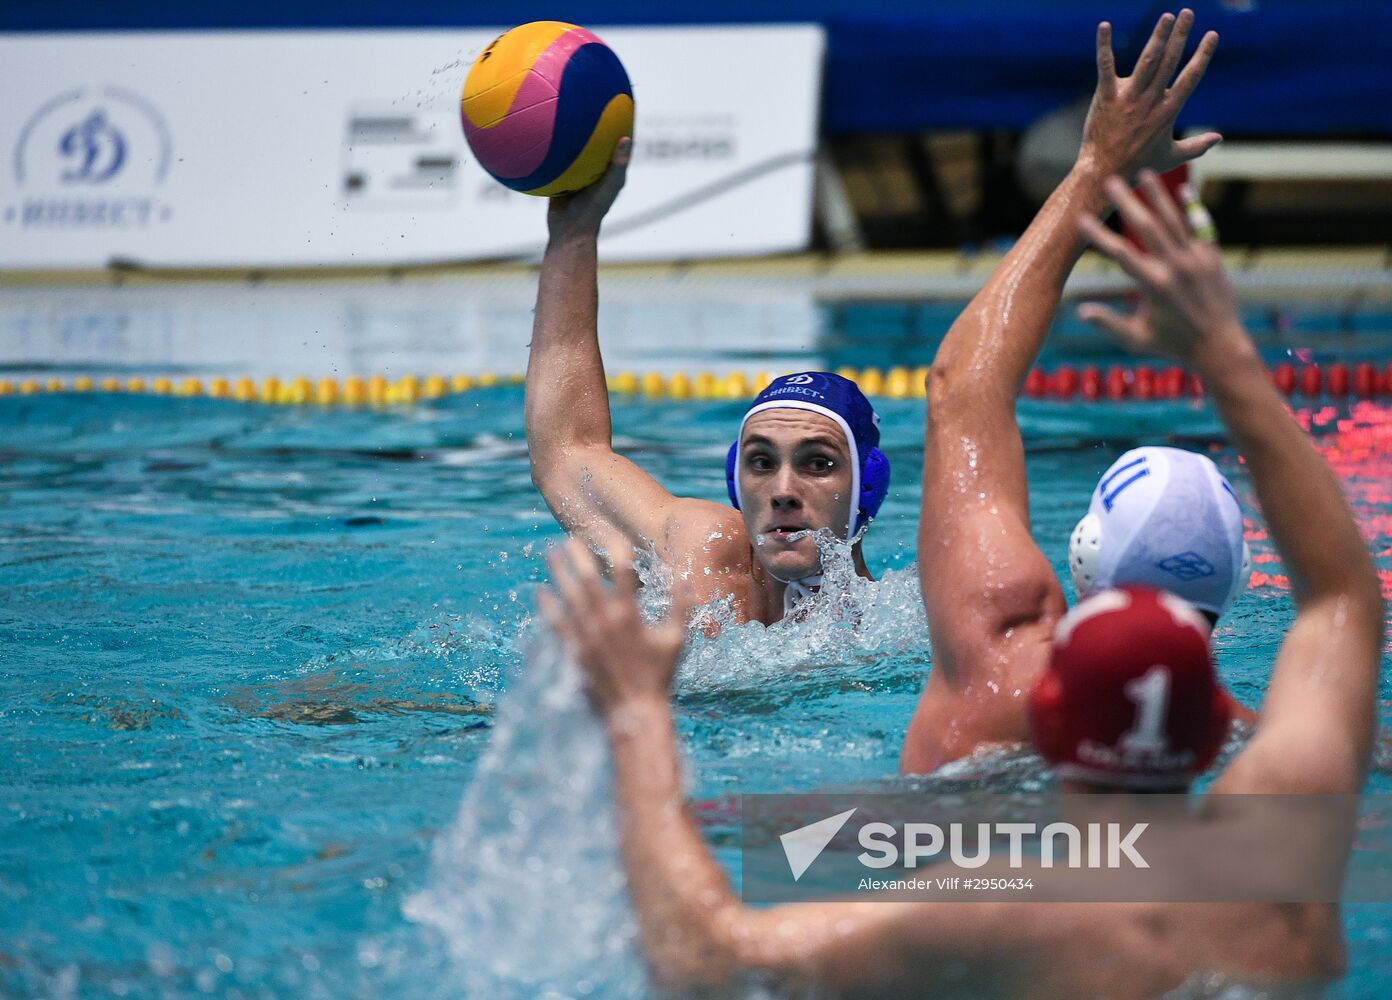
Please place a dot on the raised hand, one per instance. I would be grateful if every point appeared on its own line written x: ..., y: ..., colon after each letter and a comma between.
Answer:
x: 624, y: 660
x: 1130, y: 124
x: 1188, y: 311
x: 584, y: 210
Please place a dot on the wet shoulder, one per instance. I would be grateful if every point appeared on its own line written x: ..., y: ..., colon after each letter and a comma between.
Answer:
x: 706, y: 533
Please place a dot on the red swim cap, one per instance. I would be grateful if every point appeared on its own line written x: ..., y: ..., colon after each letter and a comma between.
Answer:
x: 1130, y: 697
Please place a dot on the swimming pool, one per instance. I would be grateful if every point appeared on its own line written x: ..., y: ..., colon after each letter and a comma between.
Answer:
x: 254, y: 656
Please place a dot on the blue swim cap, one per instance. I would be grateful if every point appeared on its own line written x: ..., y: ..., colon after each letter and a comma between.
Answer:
x: 840, y: 400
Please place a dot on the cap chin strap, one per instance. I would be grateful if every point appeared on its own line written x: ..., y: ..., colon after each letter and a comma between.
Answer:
x: 797, y: 591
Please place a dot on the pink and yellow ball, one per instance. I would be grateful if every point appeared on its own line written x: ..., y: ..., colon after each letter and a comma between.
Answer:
x: 543, y: 107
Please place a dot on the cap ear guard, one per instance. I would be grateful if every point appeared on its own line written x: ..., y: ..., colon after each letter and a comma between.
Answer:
x: 874, y: 486
x: 731, y: 458
x: 1085, y: 553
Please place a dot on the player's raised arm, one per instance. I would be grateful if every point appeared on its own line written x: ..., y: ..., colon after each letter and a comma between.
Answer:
x: 991, y: 595
x: 590, y: 489
x: 698, y: 937
x: 1318, y: 716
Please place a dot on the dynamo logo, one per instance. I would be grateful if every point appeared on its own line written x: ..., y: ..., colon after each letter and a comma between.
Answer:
x: 91, y: 158
x: 796, y: 385
x: 96, y: 147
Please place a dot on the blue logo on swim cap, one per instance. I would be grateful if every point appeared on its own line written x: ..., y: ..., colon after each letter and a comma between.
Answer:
x: 842, y: 398
x: 1187, y: 566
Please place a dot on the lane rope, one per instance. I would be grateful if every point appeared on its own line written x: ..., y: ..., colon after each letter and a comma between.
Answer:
x: 1085, y: 383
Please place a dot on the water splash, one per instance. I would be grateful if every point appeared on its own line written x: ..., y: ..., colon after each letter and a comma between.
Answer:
x: 1222, y: 986
x: 871, y: 624
x: 526, y: 887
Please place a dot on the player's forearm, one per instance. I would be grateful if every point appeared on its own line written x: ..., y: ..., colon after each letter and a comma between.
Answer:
x: 1301, y: 500
x: 567, y: 402
x: 684, y: 904
x: 998, y: 336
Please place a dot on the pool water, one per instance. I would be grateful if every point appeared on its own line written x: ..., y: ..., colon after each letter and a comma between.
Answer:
x: 255, y: 656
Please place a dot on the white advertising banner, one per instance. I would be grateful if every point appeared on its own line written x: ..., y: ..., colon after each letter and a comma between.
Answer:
x: 306, y: 148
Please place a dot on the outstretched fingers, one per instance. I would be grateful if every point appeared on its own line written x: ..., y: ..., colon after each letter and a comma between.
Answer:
x: 626, y: 580
x: 683, y: 602
x: 1131, y: 260
x: 1174, y: 48
x: 587, y: 574
x: 1149, y: 61
x: 1125, y: 330
x: 1194, y: 70
x: 1171, y: 219
x: 1195, y: 146
x: 1141, y: 219
x: 1106, y: 59
x: 576, y: 599
x: 551, y: 612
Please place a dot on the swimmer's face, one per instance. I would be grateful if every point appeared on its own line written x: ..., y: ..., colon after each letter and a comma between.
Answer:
x: 794, y: 475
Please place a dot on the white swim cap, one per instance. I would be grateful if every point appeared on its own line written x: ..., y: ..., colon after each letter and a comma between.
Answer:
x: 1163, y: 518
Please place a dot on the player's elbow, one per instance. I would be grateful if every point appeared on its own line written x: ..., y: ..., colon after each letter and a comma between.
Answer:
x: 541, y: 470
x: 557, y: 467
x: 1359, y: 605
x: 1375, y: 605
x: 1345, y: 582
x: 685, y: 965
x: 730, y: 949
x: 682, y: 977
x: 943, y: 381
x: 957, y: 387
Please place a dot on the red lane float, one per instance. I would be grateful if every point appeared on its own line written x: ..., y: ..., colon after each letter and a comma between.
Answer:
x: 1118, y: 383
x: 1364, y: 380
x: 1143, y: 383
x: 1090, y: 383
x: 1361, y: 380
x: 1338, y: 380
x: 1065, y: 382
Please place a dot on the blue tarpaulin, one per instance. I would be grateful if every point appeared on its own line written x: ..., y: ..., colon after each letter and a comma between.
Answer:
x: 1283, y: 68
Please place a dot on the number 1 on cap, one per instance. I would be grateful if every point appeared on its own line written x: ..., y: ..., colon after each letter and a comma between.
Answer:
x: 1151, y: 694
